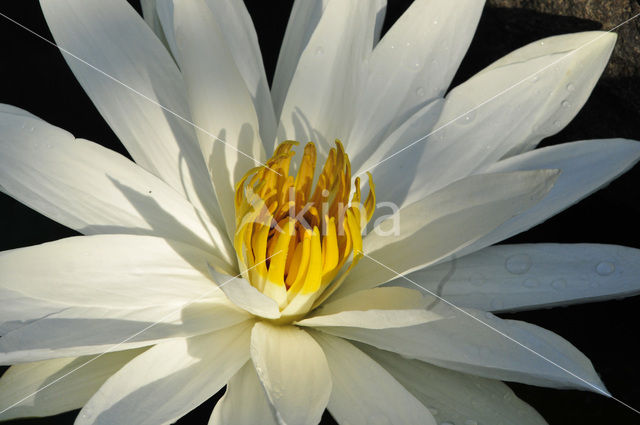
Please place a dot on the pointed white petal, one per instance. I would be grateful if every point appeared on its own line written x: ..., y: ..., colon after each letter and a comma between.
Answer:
x: 50, y: 387
x: 219, y: 101
x: 485, y: 345
x: 85, y: 295
x: 521, y: 277
x: 455, y: 397
x: 94, y: 190
x: 169, y: 380
x: 150, y: 15
x: 293, y: 370
x: 443, y: 223
x: 319, y: 104
x: 585, y: 167
x: 128, y: 73
x: 244, y: 295
x: 413, y: 64
x: 244, y: 402
x: 376, y: 308
x: 506, y: 108
x: 363, y: 392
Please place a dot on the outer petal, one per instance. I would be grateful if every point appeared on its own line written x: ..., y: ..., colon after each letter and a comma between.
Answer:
x: 520, y: 277
x: 293, y: 370
x: 54, y: 386
x: 104, y: 293
x: 169, y: 380
x: 130, y: 75
x: 412, y: 65
x: 481, y: 344
x: 586, y: 167
x: 219, y: 101
x: 363, y: 392
x: 506, y: 108
x: 443, y: 223
x: 376, y: 308
x: 319, y: 105
x: 245, y: 402
x: 455, y: 397
x: 94, y: 190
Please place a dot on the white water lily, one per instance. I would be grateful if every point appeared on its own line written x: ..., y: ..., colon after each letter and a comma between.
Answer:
x: 174, y: 286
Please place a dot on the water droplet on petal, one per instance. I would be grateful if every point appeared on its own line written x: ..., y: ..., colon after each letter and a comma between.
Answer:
x: 416, y: 65
x: 559, y: 284
x: 420, y: 91
x: 571, y: 87
x: 542, y: 43
x: 393, y: 46
x: 535, y: 79
x: 530, y: 283
x: 378, y: 420
x: 518, y: 264
x: 605, y: 268
x: 565, y: 104
x: 319, y: 50
x: 408, y: 44
x: 468, y: 118
x: 435, y: 22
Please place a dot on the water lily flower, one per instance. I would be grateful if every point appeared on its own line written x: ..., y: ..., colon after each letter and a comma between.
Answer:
x: 240, y: 249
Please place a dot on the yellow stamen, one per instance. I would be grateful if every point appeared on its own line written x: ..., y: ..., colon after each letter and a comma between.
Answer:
x: 294, y: 241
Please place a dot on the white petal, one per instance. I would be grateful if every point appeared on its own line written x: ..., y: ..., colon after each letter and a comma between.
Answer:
x: 319, y: 105
x: 363, y: 392
x: 455, y: 397
x: 114, y: 40
x: 443, y: 223
x: 413, y: 64
x: 485, y: 345
x: 240, y: 36
x: 502, y: 110
x: 376, y: 308
x: 293, y: 370
x: 244, y: 402
x: 150, y: 15
x: 85, y: 295
x: 244, y: 295
x: 94, y: 190
x: 169, y: 380
x: 54, y: 386
x: 520, y: 277
x: 219, y: 101
x: 585, y: 167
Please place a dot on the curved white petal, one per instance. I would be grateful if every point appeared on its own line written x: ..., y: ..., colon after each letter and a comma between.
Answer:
x: 94, y: 190
x: 455, y: 397
x: 412, y: 65
x: 244, y: 295
x: 376, y: 308
x: 244, y: 402
x: 241, y: 39
x: 506, y: 108
x: 119, y: 271
x: 319, y: 104
x: 169, y: 380
x: 482, y: 344
x: 443, y: 223
x: 219, y: 101
x: 520, y: 277
x: 585, y: 167
x: 150, y: 15
x: 363, y: 392
x: 293, y: 370
x: 50, y: 387
x: 131, y: 78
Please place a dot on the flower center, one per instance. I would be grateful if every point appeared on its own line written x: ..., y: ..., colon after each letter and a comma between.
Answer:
x: 294, y: 243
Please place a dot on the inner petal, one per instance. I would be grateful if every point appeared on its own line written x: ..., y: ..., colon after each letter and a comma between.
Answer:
x: 296, y: 240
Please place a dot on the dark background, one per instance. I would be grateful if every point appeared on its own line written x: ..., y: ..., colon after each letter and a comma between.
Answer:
x: 34, y: 76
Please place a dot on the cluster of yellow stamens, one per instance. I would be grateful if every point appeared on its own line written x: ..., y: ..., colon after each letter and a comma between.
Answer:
x: 293, y: 242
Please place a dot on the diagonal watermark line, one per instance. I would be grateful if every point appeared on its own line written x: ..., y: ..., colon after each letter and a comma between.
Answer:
x: 114, y: 79
x: 595, y: 387
x: 115, y: 347
x: 498, y: 95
